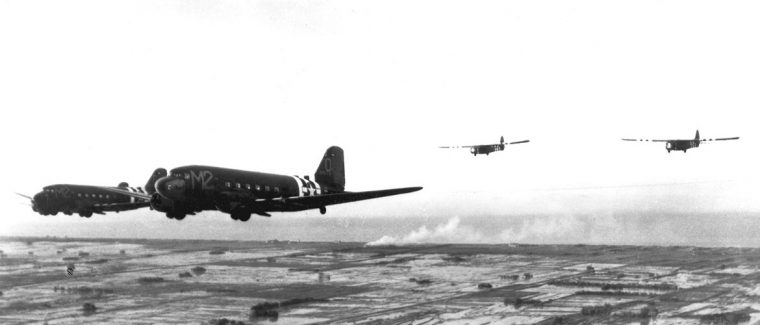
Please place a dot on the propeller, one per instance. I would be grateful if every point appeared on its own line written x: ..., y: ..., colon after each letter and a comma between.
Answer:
x: 31, y: 200
x: 25, y: 196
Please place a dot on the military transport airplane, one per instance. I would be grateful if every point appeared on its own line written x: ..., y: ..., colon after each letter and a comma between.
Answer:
x: 191, y: 189
x: 683, y: 144
x: 87, y: 199
x: 486, y: 148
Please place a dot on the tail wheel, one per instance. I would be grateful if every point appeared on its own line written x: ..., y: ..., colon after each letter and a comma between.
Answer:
x: 85, y: 214
x: 322, y: 210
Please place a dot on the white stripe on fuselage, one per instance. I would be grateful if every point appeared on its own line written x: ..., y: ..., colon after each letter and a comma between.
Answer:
x: 319, y: 188
x: 298, y: 185
x: 308, y: 187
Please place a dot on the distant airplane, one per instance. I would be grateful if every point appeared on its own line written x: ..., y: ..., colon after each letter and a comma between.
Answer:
x: 88, y: 199
x: 486, y: 148
x: 191, y: 189
x: 683, y: 144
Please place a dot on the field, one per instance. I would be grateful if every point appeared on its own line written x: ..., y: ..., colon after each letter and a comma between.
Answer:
x: 71, y: 281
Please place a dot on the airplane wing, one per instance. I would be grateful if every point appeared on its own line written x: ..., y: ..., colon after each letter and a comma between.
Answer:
x: 100, y: 208
x: 720, y: 139
x: 121, y: 190
x: 647, y: 140
x: 317, y: 201
x: 484, y: 145
x: 458, y: 147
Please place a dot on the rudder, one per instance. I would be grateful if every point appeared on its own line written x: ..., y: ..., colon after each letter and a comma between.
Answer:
x: 331, y: 174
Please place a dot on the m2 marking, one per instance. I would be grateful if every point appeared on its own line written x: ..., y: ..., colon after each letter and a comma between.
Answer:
x: 201, y: 178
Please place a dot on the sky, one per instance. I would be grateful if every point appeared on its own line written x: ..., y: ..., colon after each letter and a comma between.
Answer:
x: 100, y: 92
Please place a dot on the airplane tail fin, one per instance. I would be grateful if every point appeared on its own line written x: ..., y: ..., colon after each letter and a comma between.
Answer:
x: 696, y: 139
x: 150, y: 186
x: 502, y: 140
x: 331, y: 174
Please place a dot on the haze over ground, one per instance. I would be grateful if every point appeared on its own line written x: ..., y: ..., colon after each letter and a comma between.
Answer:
x: 99, y: 92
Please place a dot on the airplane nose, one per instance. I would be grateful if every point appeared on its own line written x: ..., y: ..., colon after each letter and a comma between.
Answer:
x: 170, y: 187
x: 38, y: 199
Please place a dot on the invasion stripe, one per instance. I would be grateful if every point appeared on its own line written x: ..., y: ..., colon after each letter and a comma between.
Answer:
x: 298, y: 185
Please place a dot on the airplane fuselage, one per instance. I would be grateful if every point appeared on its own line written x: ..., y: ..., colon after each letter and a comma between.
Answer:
x: 191, y: 189
x: 485, y: 149
x: 681, y: 145
x: 82, y: 199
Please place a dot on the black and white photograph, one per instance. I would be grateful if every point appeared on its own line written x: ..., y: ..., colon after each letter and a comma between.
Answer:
x: 380, y: 162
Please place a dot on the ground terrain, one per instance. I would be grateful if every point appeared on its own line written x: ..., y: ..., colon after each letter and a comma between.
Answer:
x: 202, y: 282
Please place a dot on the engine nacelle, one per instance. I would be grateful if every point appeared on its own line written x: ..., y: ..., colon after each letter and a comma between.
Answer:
x: 161, y: 204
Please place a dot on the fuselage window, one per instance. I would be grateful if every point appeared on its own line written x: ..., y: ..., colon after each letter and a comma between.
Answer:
x: 237, y: 185
x: 227, y: 184
x: 266, y: 188
x: 248, y: 186
x: 276, y: 189
x: 187, y: 176
x: 79, y: 194
x: 258, y: 187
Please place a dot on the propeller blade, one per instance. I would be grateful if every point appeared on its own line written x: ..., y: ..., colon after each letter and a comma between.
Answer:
x: 26, y: 196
